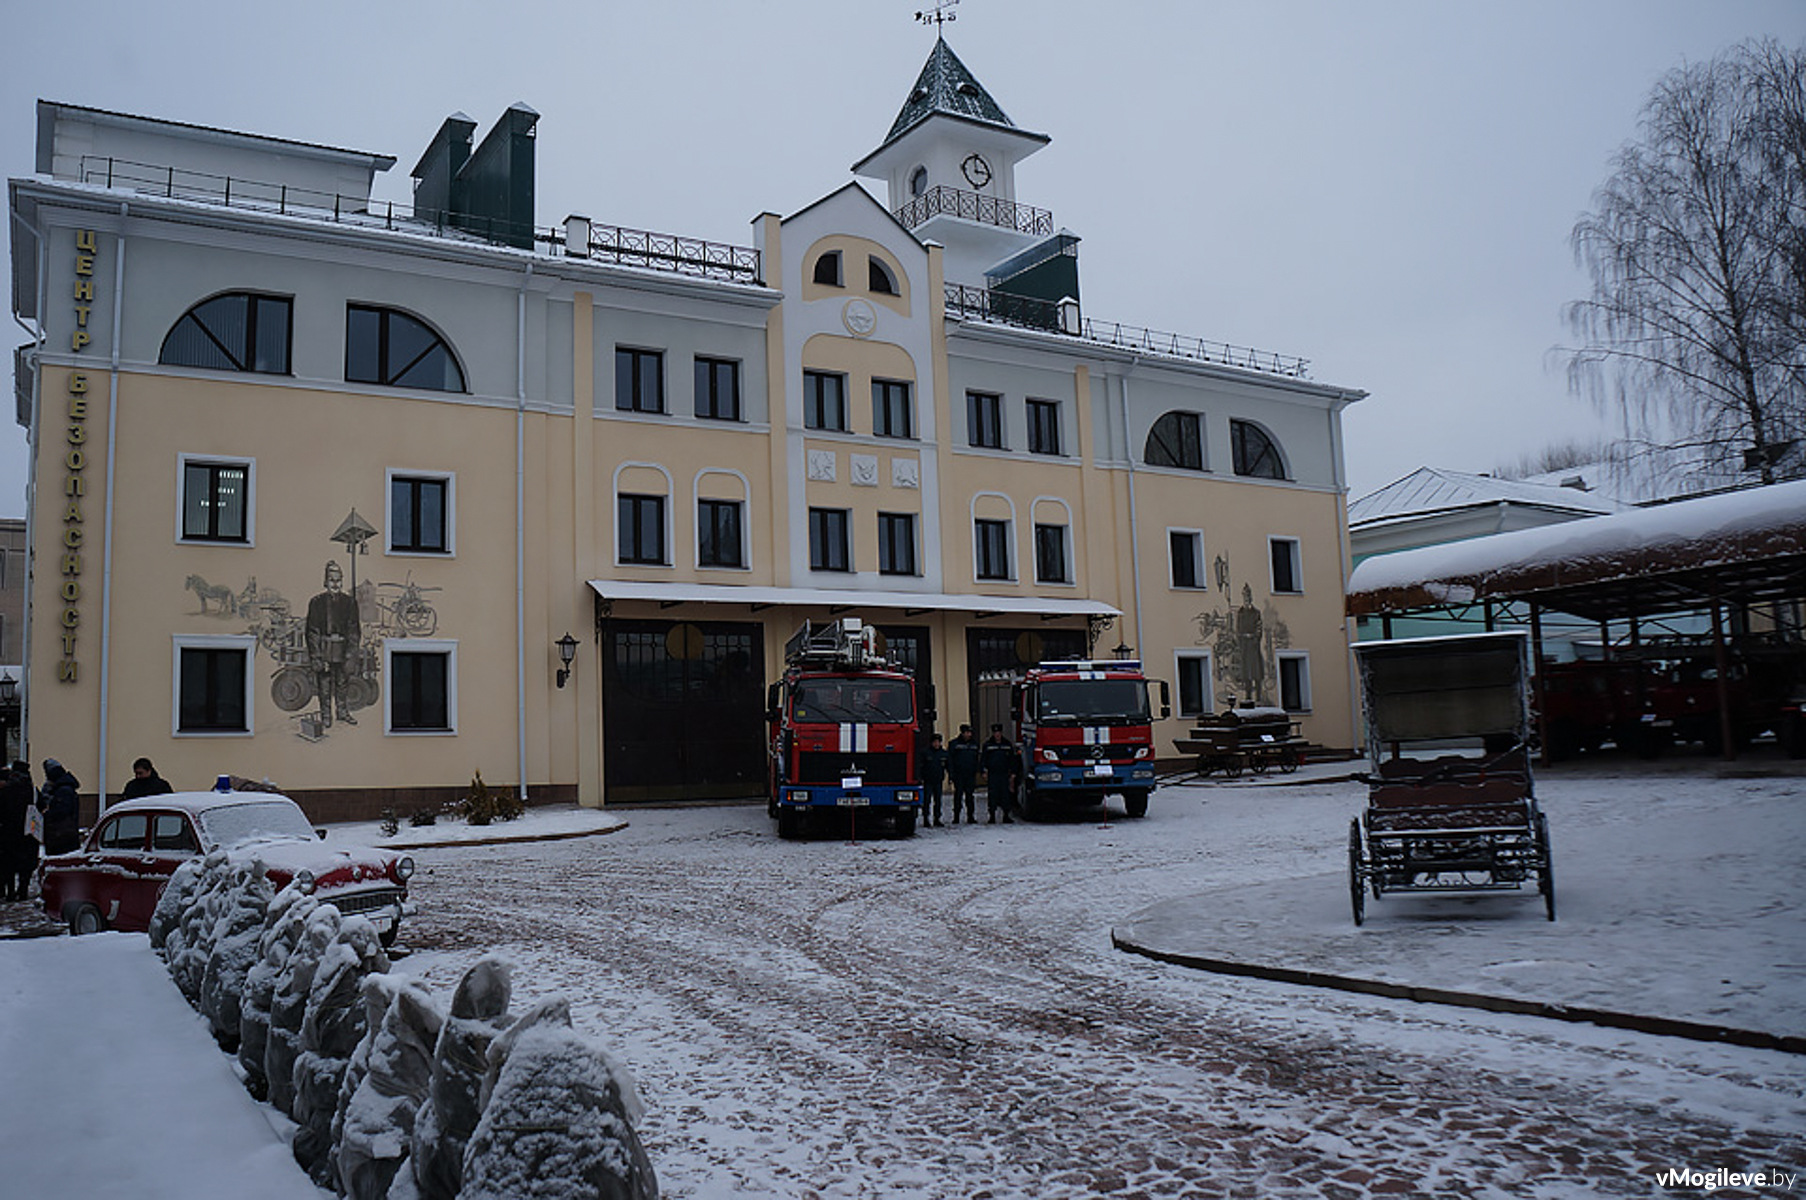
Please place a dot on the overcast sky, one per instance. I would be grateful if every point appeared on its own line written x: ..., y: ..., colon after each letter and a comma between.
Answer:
x: 1384, y: 188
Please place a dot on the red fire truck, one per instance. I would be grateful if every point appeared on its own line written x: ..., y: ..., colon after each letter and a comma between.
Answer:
x: 845, y: 724
x: 1085, y: 730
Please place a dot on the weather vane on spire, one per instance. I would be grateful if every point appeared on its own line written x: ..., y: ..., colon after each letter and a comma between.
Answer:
x: 941, y: 14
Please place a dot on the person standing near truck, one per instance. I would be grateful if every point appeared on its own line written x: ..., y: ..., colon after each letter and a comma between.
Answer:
x: 934, y: 775
x: 963, y: 757
x: 1000, y: 772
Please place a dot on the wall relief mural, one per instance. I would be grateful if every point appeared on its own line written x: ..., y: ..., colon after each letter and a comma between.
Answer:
x: 328, y: 657
x: 1243, y: 639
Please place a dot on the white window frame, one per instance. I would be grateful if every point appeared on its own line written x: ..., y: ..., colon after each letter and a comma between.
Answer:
x: 1297, y: 566
x: 1207, y: 658
x: 670, y: 517
x: 445, y: 646
x: 1198, y: 560
x: 212, y: 641
x: 1303, y: 659
x: 450, y: 479
x: 216, y: 460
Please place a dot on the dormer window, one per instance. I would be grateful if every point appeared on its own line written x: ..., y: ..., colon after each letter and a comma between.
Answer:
x: 827, y: 269
x: 918, y: 181
x: 883, y: 283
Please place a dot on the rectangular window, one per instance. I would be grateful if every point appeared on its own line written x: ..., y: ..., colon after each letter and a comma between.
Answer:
x: 718, y: 388
x: 993, y: 548
x: 1288, y: 570
x: 824, y: 400
x: 1193, y: 672
x: 896, y: 543
x: 718, y: 541
x: 828, y: 540
x: 420, y: 514
x: 984, y: 420
x: 639, y: 380
x: 890, y: 409
x: 216, y: 501
x: 1294, y: 681
x: 642, y: 530
x: 213, y: 685
x: 1043, y: 427
x: 423, y: 695
x: 1186, y: 547
x: 1050, y: 554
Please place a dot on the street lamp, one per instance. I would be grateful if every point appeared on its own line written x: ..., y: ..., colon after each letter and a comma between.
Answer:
x: 567, y: 651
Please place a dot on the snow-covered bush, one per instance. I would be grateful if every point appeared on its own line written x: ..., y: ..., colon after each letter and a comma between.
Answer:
x: 235, y: 941
x: 288, y: 1005
x: 177, y: 897
x: 442, y: 1128
x: 283, y: 923
x: 193, y: 941
x: 385, y: 1085
x: 330, y: 1032
x: 558, y: 1117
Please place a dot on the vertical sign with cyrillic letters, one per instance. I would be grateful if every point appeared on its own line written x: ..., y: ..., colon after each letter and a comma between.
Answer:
x: 75, y: 458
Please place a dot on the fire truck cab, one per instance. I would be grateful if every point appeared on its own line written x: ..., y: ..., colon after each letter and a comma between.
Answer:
x: 844, y: 724
x: 1086, y: 730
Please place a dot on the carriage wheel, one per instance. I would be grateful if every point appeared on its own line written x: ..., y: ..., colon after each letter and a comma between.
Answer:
x: 1232, y: 766
x: 1260, y: 762
x: 1288, y: 761
x: 1545, y: 882
x: 1357, y: 896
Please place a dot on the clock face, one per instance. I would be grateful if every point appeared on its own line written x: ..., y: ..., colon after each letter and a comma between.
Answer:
x: 977, y: 170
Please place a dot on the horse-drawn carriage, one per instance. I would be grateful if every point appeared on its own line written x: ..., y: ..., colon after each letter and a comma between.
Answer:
x: 1451, y: 803
x: 1238, y: 739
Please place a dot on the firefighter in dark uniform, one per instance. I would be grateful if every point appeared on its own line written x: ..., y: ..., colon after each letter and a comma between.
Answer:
x: 963, y: 755
x: 1000, y: 772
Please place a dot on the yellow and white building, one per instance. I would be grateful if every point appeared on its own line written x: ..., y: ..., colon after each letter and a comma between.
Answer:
x: 321, y: 484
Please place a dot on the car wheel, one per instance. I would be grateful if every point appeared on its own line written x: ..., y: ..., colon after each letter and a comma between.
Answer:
x: 387, y: 936
x: 84, y: 918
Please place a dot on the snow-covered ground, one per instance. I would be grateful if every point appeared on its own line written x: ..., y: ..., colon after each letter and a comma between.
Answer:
x: 947, y: 1017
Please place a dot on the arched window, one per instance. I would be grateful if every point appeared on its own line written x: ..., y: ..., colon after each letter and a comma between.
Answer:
x: 883, y: 283
x: 918, y: 181
x: 237, y: 331
x: 827, y: 269
x: 1176, y: 440
x: 1255, y: 452
x: 388, y: 347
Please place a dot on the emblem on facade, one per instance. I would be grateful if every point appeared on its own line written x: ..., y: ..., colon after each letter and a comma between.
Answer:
x: 859, y: 317
x: 905, y: 473
x: 864, y: 470
x: 821, y: 466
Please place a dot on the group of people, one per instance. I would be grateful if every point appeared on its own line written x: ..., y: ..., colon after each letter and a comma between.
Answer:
x: 48, y: 818
x: 963, y: 760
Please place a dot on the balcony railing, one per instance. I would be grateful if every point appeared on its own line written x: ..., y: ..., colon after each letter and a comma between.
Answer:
x: 607, y: 243
x: 974, y: 206
x: 983, y: 304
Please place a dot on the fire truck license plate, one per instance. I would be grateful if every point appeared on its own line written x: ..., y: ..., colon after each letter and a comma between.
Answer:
x: 1100, y: 771
x: 853, y: 801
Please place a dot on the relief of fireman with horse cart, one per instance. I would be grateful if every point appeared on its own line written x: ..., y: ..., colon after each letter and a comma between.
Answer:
x: 328, y: 657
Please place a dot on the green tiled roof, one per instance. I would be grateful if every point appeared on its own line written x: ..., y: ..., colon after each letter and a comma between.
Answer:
x: 946, y: 86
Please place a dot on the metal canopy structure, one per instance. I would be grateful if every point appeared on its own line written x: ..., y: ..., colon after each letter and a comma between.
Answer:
x: 1737, y: 549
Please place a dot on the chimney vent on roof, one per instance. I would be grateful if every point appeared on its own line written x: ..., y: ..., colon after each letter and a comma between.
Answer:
x: 1577, y: 482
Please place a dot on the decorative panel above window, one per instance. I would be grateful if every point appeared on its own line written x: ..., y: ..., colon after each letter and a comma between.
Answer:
x: 388, y: 347
x: 238, y: 331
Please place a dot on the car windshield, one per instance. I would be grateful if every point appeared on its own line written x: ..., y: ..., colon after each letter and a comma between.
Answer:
x: 1094, y: 700
x: 854, y: 701
x: 230, y: 824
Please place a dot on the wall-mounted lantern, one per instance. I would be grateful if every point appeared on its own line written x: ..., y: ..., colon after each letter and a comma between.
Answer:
x: 567, y: 652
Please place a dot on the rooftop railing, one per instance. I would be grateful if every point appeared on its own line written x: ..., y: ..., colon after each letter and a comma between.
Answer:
x: 607, y: 243
x: 975, y: 206
x: 983, y: 304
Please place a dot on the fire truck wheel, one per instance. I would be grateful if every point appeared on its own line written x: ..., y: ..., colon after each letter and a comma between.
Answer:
x: 904, y: 823
x: 790, y: 824
x: 1135, y: 803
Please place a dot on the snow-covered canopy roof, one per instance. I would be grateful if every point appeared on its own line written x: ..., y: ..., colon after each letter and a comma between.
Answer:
x: 1740, y: 547
x: 1434, y: 489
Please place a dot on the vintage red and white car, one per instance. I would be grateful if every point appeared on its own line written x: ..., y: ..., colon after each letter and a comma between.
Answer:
x: 114, y: 879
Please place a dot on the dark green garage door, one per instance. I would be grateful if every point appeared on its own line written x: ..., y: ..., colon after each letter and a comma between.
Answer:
x: 683, y: 710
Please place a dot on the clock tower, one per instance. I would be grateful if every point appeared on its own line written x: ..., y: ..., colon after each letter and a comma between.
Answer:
x: 949, y: 162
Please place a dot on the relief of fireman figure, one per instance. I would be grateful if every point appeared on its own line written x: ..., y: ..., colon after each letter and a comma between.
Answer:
x: 332, y: 644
